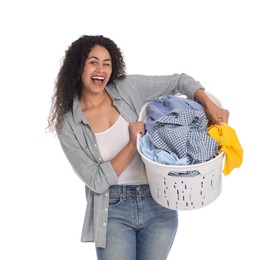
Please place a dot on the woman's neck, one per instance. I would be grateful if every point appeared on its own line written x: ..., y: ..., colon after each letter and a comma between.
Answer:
x: 94, y: 101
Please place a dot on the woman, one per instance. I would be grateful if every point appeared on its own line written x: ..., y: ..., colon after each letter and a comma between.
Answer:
x: 95, y: 110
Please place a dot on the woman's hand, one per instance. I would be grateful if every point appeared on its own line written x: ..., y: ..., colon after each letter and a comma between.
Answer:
x: 127, y: 153
x: 215, y: 113
x: 136, y: 128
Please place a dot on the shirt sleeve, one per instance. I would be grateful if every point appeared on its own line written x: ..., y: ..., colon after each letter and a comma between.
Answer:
x: 149, y: 87
x: 97, y: 174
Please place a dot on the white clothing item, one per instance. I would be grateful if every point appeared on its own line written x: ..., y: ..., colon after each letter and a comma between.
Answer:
x: 111, y: 141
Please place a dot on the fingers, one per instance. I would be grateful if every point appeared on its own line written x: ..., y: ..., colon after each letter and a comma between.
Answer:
x: 137, y: 128
x: 222, y: 117
x: 221, y: 121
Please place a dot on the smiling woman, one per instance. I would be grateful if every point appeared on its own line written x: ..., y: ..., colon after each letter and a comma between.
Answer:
x: 95, y: 111
x: 69, y: 81
x: 95, y: 102
x: 97, y: 69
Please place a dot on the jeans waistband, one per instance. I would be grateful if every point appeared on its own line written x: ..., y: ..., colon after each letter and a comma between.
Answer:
x: 129, y: 190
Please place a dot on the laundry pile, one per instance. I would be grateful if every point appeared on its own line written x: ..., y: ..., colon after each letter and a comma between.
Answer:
x: 177, y: 134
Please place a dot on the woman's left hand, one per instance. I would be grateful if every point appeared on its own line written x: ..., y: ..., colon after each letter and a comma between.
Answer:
x: 216, y: 114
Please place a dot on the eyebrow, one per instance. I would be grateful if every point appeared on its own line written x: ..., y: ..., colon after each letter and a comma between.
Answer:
x: 94, y: 57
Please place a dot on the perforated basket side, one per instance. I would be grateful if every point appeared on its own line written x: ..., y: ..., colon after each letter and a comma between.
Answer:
x: 185, y: 193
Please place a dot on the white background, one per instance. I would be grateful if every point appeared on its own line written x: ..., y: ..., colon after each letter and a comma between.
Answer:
x: 226, y: 45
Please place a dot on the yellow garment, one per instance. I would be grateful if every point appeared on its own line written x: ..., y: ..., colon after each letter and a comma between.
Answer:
x: 228, y: 142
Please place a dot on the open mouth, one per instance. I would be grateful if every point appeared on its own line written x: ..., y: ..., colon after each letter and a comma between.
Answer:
x: 98, y: 80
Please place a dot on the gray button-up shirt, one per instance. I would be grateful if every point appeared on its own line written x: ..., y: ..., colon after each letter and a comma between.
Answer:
x: 79, y: 143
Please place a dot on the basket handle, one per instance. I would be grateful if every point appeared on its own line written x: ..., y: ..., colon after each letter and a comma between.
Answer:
x: 191, y: 173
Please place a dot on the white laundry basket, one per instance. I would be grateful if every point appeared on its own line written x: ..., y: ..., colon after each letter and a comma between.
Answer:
x: 181, y: 192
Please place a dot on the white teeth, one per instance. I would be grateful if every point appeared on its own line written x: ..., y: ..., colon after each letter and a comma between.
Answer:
x: 99, y: 78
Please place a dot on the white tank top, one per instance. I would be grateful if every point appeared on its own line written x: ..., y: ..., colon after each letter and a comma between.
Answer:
x: 111, y: 141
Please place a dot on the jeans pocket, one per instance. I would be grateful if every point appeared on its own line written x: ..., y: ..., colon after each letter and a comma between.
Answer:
x: 115, y: 200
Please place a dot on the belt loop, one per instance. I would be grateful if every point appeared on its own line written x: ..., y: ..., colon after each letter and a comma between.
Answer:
x: 123, y: 192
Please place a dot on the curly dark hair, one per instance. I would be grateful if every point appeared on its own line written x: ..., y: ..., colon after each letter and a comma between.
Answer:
x: 68, y: 84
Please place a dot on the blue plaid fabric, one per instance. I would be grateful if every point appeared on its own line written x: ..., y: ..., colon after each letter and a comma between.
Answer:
x: 184, y: 132
x: 161, y: 106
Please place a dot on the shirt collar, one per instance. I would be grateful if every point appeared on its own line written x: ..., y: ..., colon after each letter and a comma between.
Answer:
x: 77, y: 112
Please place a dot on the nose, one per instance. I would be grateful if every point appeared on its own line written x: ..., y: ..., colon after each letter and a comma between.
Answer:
x: 99, y: 67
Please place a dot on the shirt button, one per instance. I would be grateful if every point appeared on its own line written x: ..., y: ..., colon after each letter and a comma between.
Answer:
x: 106, y: 209
x: 106, y: 194
x: 104, y: 224
x: 99, y: 159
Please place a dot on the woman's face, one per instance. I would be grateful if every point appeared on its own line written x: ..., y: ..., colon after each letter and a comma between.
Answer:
x: 97, y: 70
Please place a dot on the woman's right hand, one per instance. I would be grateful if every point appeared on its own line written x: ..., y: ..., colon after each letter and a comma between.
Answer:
x: 136, y: 128
x: 122, y: 159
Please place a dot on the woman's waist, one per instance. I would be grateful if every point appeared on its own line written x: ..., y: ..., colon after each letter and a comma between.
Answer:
x: 129, y: 190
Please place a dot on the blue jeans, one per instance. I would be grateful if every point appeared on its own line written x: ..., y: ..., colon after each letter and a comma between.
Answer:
x: 138, y: 227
